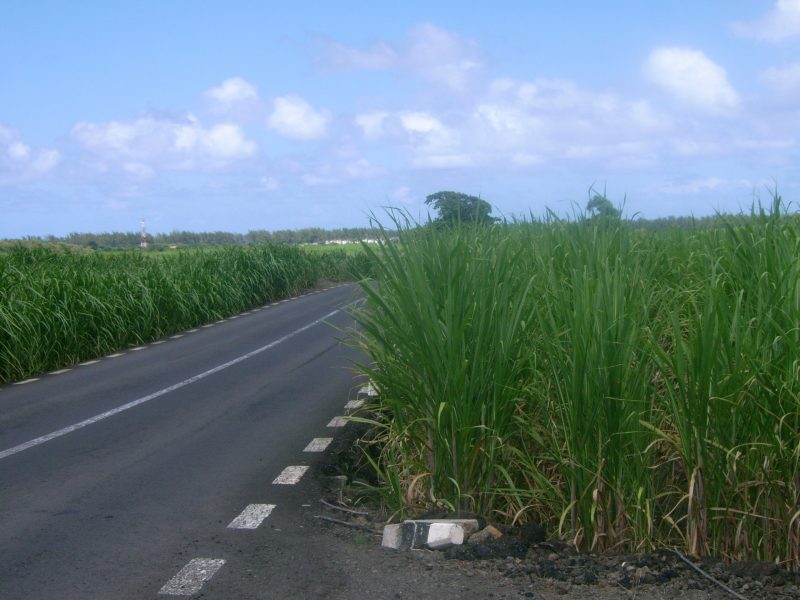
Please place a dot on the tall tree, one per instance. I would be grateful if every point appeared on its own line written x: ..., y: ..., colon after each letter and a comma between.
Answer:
x: 455, y: 207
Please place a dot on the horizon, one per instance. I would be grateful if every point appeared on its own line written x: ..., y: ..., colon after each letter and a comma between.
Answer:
x: 244, y: 118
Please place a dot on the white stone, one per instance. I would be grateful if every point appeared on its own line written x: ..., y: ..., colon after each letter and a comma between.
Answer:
x: 444, y: 535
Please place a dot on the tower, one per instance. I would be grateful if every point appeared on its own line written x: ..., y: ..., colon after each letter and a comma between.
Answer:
x: 143, y: 242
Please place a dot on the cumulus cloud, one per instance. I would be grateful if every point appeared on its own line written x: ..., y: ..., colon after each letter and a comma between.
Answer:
x: 294, y: 118
x: 233, y: 91
x: 779, y: 24
x: 20, y: 162
x: 692, y: 79
x: 157, y: 142
x: 438, y: 55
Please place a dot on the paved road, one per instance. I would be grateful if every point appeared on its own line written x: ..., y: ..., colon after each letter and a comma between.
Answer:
x: 118, y: 506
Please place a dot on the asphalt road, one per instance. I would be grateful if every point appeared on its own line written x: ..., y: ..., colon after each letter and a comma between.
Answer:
x: 102, y: 504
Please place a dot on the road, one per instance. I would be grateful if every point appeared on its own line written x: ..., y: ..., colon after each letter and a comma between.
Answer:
x: 117, y: 476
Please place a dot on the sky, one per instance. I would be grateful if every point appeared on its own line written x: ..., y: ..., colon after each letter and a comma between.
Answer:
x: 238, y: 115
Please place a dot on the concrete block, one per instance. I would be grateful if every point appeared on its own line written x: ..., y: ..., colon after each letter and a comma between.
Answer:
x: 444, y: 535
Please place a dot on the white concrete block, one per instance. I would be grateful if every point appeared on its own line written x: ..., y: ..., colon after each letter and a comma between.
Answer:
x: 444, y: 535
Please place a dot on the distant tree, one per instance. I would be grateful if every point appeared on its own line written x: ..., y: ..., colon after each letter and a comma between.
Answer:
x: 455, y: 207
x: 602, y: 208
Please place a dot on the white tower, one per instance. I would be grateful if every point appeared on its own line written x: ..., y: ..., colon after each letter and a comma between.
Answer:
x: 143, y: 242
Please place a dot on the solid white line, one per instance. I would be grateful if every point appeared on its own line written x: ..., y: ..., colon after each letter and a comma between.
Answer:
x: 166, y: 390
x: 318, y: 445
x: 190, y: 579
x: 353, y: 405
x: 27, y: 381
x: 252, y: 516
x: 116, y: 355
x: 290, y: 475
x: 88, y: 362
x: 335, y: 422
x: 60, y: 371
x: 175, y: 337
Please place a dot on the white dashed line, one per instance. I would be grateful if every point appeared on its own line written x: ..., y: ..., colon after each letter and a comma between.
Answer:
x: 207, y: 326
x: 233, y: 317
x: 116, y: 355
x: 88, y: 362
x: 27, y: 381
x: 193, y: 331
x: 220, y: 321
x: 252, y: 516
x: 176, y: 337
x: 60, y: 371
x: 353, y: 405
x: 157, y: 342
x: 318, y: 445
x: 338, y: 422
x: 190, y: 579
x: 109, y: 413
x: 138, y: 348
x: 290, y: 475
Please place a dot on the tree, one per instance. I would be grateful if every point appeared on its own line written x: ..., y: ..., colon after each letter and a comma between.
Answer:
x: 455, y: 207
x: 602, y: 208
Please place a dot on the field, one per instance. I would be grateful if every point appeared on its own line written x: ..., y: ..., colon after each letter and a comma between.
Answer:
x: 59, y: 307
x: 629, y: 389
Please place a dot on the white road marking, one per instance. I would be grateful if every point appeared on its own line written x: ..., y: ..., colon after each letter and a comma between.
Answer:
x: 255, y: 310
x: 157, y: 342
x: 26, y: 381
x: 274, y: 303
x: 193, y: 331
x: 353, y: 405
x: 233, y: 317
x: 290, y: 475
x: 318, y: 445
x: 252, y: 516
x: 335, y: 422
x: 190, y: 579
x: 60, y: 371
x: 116, y: 355
x: 138, y: 348
x: 220, y: 321
x: 207, y: 326
x: 88, y: 362
x: 166, y: 390
x: 175, y: 337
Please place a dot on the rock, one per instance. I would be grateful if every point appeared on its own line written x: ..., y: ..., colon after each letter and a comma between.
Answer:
x: 486, y: 534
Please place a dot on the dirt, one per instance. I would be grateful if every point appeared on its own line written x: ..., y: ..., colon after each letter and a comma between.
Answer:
x: 520, y: 564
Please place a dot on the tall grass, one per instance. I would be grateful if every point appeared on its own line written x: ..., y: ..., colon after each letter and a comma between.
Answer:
x: 630, y: 389
x: 59, y: 308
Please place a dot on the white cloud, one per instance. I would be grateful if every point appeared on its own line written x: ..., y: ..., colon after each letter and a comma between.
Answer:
x: 157, y: 142
x: 692, y: 79
x: 233, y: 91
x: 706, y: 184
x: 294, y: 118
x: 784, y: 80
x: 379, y: 57
x: 779, y: 24
x: 438, y: 55
x: 19, y: 162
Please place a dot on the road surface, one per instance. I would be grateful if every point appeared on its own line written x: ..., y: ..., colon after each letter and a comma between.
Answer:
x: 152, y: 474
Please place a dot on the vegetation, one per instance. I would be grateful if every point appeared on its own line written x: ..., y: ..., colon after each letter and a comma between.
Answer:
x: 59, y: 307
x: 455, y: 208
x: 117, y: 240
x: 629, y: 388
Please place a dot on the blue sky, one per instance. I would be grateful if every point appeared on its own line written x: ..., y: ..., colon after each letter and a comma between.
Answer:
x: 264, y: 115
